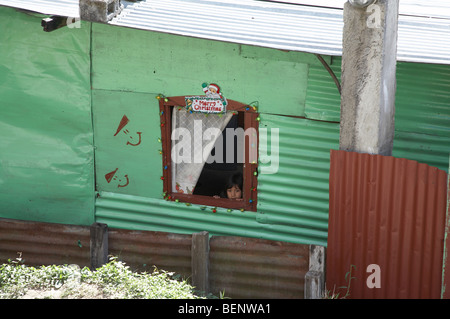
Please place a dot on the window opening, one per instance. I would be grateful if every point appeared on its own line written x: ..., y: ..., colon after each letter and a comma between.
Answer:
x: 192, y: 171
x: 218, y: 172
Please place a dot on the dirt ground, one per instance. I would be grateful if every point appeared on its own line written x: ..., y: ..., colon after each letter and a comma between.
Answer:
x: 68, y: 291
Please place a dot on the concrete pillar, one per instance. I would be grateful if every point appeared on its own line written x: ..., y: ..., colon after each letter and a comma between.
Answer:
x: 369, y: 77
x: 99, y: 10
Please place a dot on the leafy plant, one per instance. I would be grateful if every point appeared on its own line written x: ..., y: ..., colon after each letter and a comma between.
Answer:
x: 348, y: 277
x: 113, y: 280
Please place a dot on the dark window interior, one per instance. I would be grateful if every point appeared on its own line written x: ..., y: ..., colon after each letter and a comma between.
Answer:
x: 215, y: 175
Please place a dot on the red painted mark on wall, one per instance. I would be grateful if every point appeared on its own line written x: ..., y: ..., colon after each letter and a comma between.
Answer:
x: 112, y: 176
x: 123, y: 122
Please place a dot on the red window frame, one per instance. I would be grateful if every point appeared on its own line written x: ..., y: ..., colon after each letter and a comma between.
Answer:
x: 250, y: 170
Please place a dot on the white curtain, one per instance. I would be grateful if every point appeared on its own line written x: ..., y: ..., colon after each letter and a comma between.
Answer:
x: 193, y: 138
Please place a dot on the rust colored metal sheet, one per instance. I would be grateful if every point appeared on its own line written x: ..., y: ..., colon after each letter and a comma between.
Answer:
x: 256, y: 268
x: 142, y: 250
x: 44, y: 243
x: 389, y: 212
x: 445, y: 290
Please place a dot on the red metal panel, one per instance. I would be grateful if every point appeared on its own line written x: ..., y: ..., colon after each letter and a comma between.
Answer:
x: 44, y: 243
x: 445, y: 292
x: 257, y: 268
x: 141, y: 250
x: 389, y: 212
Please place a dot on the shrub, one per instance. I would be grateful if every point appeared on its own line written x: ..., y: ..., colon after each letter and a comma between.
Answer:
x: 113, y: 280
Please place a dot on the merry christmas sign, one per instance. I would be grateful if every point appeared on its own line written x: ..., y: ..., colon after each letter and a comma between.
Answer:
x: 211, y: 102
x: 204, y: 104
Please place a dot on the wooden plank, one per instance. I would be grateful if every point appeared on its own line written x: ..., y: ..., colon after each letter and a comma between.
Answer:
x: 200, y: 261
x: 99, y: 245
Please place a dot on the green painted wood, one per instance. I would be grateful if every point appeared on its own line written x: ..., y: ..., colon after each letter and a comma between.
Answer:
x: 131, y: 145
x: 142, y: 61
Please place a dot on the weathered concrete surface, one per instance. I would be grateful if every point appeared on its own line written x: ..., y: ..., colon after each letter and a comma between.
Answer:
x: 369, y: 78
x: 99, y: 10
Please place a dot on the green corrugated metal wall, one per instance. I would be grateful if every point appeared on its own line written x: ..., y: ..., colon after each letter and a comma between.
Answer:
x: 292, y: 204
x: 422, y: 108
x: 323, y: 101
x: 47, y: 164
x: 297, y: 194
x: 422, y: 119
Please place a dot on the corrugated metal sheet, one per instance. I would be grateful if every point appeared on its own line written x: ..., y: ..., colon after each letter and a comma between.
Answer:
x: 65, y: 8
x: 247, y: 22
x: 423, y: 93
x: 389, y: 212
x: 240, y: 267
x: 143, y: 250
x: 280, y: 26
x: 142, y: 213
x: 297, y: 194
x: 44, y: 243
x: 422, y: 112
x: 323, y: 101
x: 445, y: 290
x: 430, y: 149
x: 255, y: 268
x: 424, y: 40
x: 292, y: 203
x: 285, y: 26
x: 429, y: 8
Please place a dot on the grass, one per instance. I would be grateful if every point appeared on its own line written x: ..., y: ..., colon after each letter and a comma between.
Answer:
x: 114, y: 280
x: 348, y: 278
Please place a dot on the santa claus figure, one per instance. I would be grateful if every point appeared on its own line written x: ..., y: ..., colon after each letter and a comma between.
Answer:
x: 212, y: 90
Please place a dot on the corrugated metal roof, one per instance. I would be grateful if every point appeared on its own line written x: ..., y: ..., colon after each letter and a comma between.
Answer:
x: 280, y: 26
x: 65, y: 8
x: 421, y: 8
x: 301, y: 25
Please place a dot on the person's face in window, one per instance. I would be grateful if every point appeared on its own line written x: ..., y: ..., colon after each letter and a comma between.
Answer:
x: 234, y: 192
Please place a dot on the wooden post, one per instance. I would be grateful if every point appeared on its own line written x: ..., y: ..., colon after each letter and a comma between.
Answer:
x: 200, y: 261
x: 315, y: 277
x: 99, y: 245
